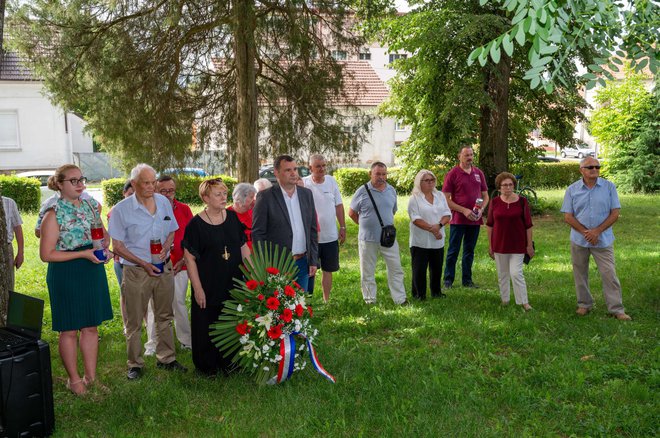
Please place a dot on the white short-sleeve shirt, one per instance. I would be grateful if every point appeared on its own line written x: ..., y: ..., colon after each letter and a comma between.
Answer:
x: 420, y: 208
x: 326, y: 198
x: 12, y: 217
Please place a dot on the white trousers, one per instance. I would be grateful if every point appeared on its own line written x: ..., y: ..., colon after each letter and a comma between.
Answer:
x: 368, y: 257
x: 510, y: 269
x: 181, y: 320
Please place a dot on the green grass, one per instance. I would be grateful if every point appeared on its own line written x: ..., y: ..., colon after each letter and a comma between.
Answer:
x: 462, y: 366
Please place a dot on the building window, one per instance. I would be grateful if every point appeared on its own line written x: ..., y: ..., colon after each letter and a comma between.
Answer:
x: 339, y: 55
x: 365, y: 55
x: 399, y: 126
x: 395, y: 56
x: 9, y: 130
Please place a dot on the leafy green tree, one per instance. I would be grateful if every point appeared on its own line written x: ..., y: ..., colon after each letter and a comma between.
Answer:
x: 145, y: 73
x: 627, y: 124
x: 449, y: 104
x: 552, y: 31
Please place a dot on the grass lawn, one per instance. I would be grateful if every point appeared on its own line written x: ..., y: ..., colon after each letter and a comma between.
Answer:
x: 461, y: 366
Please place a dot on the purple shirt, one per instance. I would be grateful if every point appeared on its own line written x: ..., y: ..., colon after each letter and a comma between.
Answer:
x: 464, y: 189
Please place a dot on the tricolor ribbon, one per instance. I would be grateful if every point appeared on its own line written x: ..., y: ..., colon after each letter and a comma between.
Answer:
x: 288, y: 353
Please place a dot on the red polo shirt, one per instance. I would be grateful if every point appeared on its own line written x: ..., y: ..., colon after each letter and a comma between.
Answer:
x: 183, y: 215
x: 464, y: 188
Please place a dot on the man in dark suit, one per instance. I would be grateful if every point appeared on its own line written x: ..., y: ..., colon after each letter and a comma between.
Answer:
x: 285, y: 215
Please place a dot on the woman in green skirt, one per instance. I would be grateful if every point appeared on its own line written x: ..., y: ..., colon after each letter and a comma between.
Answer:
x: 77, y: 284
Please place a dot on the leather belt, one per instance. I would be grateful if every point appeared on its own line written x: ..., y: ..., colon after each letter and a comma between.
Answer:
x: 299, y: 256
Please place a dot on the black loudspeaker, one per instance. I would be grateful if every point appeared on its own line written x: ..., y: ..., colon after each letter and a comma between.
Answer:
x: 26, y: 388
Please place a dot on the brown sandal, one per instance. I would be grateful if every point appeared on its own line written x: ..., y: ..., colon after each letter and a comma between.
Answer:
x: 71, y: 385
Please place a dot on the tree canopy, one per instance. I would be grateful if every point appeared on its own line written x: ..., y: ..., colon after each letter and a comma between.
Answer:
x: 449, y: 104
x: 154, y: 77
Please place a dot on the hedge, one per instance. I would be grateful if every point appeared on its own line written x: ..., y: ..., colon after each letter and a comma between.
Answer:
x: 349, y: 179
x: 554, y: 175
x: 187, y: 188
x: 25, y: 191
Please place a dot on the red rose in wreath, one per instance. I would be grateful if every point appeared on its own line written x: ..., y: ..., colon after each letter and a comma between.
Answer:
x: 272, y: 303
x: 287, y: 315
x: 243, y: 328
x: 299, y: 310
x: 275, y: 331
x: 272, y: 271
x: 289, y: 291
x: 252, y: 284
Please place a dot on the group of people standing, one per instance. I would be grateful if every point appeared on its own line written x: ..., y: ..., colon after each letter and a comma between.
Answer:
x: 159, y: 246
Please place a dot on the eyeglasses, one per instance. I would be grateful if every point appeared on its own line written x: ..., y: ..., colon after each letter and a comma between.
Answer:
x: 506, y: 185
x: 165, y: 192
x: 428, y: 180
x: 76, y: 181
x: 591, y: 167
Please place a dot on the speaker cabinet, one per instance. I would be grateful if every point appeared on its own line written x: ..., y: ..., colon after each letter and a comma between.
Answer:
x: 26, y: 387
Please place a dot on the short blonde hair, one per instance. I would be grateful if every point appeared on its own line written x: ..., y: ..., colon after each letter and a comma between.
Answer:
x: 206, y: 185
x: 60, y: 174
x: 505, y: 175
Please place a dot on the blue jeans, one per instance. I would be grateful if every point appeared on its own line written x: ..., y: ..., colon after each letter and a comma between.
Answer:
x: 469, y: 234
x: 303, y: 273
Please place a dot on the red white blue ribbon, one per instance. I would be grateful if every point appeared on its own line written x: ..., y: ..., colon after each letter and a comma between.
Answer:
x: 288, y: 353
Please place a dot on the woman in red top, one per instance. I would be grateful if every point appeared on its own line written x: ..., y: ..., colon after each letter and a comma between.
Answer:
x: 243, y: 196
x: 509, y: 229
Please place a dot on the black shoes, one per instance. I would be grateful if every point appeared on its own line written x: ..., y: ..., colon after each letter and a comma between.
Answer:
x: 471, y: 285
x: 134, y: 373
x: 172, y: 366
x: 447, y: 285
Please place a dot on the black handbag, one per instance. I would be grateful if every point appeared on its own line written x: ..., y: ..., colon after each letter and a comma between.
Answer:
x: 526, y: 257
x: 387, y: 232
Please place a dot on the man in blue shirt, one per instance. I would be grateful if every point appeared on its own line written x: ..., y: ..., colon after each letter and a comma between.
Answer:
x: 591, y: 206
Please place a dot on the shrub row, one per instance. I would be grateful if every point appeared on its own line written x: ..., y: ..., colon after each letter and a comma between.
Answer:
x: 187, y: 188
x: 25, y: 191
x: 545, y: 175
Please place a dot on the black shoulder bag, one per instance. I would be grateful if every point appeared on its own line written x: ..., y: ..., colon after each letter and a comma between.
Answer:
x: 526, y: 257
x: 387, y: 232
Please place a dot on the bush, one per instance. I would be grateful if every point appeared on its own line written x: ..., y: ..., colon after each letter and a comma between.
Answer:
x: 112, y: 190
x: 25, y: 191
x: 350, y: 179
x: 553, y: 175
x: 187, y: 188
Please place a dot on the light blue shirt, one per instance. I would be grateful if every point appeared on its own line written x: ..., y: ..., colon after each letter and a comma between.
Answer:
x: 361, y: 204
x: 591, y: 207
x: 131, y: 223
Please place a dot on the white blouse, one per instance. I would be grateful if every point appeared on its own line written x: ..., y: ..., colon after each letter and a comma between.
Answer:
x: 420, y: 208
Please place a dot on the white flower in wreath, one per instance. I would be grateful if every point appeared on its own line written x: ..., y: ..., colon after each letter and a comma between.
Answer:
x: 239, y: 308
x: 265, y: 348
x: 265, y: 320
x: 278, y: 358
x: 244, y: 339
x: 297, y: 325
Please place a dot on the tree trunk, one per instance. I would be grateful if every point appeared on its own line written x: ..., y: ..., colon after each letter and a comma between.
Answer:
x: 494, y: 120
x: 4, y: 267
x: 247, y: 150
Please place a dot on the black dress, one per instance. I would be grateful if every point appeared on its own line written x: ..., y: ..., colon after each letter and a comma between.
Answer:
x: 208, y: 244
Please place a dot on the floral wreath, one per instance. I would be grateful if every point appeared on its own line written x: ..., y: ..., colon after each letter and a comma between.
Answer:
x: 267, y: 314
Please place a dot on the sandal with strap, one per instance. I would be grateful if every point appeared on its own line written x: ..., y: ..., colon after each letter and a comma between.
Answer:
x: 72, y: 385
x: 89, y: 383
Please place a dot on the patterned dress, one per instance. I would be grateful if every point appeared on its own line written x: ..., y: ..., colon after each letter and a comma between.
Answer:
x: 78, y: 289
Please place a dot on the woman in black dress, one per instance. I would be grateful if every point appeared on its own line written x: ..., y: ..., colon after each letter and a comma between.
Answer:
x: 214, y: 247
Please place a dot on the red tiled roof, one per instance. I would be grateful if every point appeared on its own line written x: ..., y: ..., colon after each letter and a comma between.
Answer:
x: 363, y: 86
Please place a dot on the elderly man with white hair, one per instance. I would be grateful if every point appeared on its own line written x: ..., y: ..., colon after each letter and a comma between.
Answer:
x: 262, y: 184
x: 244, y: 196
x: 137, y: 224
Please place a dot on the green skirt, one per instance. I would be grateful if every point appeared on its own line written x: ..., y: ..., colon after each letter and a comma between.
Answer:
x: 79, y: 295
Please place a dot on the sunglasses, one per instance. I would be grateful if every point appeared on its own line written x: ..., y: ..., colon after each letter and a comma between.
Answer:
x: 76, y: 181
x: 591, y: 167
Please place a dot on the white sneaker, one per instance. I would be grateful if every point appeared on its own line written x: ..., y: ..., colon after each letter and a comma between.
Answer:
x: 149, y: 352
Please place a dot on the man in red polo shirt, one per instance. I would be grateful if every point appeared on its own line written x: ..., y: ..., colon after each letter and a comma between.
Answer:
x: 182, y: 213
x: 462, y: 186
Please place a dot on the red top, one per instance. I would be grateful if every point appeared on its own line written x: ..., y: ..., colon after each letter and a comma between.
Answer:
x: 246, y: 219
x: 183, y: 215
x: 464, y: 188
x: 509, y: 225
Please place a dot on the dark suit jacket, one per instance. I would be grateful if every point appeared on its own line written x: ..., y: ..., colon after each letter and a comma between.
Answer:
x: 270, y: 220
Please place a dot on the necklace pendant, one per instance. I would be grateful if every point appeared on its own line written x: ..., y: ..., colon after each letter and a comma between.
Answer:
x: 226, y: 255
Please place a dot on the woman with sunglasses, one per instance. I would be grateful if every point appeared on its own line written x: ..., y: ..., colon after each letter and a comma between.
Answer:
x: 429, y: 213
x: 214, y: 247
x: 509, y: 227
x: 77, y: 284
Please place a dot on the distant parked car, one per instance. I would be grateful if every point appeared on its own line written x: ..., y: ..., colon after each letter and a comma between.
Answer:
x: 185, y: 171
x: 547, y: 159
x: 268, y: 172
x: 42, y: 176
x: 579, y: 151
